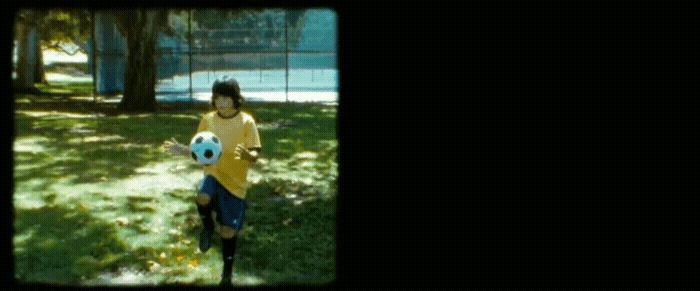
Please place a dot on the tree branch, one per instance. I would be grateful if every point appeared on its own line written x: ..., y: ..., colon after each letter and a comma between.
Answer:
x: 58, y: 46
x: 81, y: 44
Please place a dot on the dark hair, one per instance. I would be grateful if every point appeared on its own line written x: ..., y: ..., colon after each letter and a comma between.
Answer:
x: 227, y: 87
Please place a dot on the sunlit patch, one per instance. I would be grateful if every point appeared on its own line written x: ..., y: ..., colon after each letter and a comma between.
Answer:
x: 54, y: 114
x: 302, y: 115
x: 82, y: 128
x: 21, y: 238
x: 281, y: 123
x: 30, y: 144
x: 306, y: 155
x: 57, y: 77
x: 123, y: 276
x: 246, y: 279
x: 192, y: 117
x: 103, y: 138
x: 28, y: 203
x: 37, y: 184
x: 254, y: 176
x: 84, y: 98
x: 21, y: 167
x: 90, y: 139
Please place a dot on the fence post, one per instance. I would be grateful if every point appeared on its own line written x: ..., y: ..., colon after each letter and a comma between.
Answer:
x: 189, y: 51
x: 94, y: 57
x: 286, y: 57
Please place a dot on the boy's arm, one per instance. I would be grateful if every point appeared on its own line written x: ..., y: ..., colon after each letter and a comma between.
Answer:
x: 252, y: 141
x: 177, y: 148
x: 186, y: 150
x: 251, y: 154
x: 255, y: 154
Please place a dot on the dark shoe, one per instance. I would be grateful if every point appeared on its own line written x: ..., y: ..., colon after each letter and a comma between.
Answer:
x: 225, y: 282
x: 205, y: 239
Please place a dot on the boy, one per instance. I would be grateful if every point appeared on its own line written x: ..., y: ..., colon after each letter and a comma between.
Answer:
x: 224, y: 187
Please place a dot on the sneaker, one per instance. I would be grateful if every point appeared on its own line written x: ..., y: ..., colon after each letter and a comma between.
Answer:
x: 205, y: 239
x: 225, y: 281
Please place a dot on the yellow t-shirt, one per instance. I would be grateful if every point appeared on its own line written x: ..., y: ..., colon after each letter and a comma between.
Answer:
x: 241, y: 129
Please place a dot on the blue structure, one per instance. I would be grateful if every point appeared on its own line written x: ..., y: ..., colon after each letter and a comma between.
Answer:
x: 318, y: 34
x: 252, y: 44
x: 111, y: 55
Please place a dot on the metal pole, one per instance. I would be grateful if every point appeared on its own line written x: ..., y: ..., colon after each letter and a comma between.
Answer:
x: 94, y: 57
x: 189, y: 50
x: 286, y: 57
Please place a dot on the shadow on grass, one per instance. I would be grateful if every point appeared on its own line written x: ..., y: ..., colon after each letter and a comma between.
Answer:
x: 289, y: 244
x: 92, y: 163
x: 64, y: 246
x: 283, y: 242
x: 134, y: 143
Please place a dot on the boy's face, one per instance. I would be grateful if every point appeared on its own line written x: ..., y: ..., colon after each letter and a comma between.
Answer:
x: 223, y: 103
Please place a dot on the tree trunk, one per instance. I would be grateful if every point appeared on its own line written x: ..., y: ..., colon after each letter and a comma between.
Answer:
x: 39, y: 73
x: 25, y: 67
x: 140, y: 74
x: 30, y: 69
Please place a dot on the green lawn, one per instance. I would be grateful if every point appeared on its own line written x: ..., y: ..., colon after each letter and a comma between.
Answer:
x: 97, y: 201
x: 79, y: 88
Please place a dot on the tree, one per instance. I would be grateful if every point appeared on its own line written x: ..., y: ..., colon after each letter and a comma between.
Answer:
x: 47, y: 28
x: 140, y: 28
x: 29, y: 57
x: 61, y: 27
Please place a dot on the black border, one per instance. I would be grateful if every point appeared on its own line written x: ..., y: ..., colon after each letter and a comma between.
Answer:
x: 512, y: 144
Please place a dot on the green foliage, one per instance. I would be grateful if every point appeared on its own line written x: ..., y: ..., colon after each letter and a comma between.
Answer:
x: 66, y: 26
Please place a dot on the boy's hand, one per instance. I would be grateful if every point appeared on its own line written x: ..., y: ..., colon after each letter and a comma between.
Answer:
x: 174, y: 147
x: 243, y: 153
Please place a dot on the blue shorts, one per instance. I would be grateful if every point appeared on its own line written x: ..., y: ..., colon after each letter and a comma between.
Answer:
x: 230, y: 209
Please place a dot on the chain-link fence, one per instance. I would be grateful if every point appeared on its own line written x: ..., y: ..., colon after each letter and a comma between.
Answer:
x: 275, y: 54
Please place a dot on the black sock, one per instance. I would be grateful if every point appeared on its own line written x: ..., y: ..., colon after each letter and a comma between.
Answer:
x: 229, y: 249
x: 205, y: 214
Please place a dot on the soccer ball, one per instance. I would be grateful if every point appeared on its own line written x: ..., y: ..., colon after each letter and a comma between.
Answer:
x: 206, y: 148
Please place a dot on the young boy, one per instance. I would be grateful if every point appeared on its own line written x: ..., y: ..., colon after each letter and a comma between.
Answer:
x: 224, y: 187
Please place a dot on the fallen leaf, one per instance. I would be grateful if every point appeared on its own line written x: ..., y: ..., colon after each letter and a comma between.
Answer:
x: 180, y: 258
x: 162, y: 255
x: 194, y: 264
x: 187, y: 242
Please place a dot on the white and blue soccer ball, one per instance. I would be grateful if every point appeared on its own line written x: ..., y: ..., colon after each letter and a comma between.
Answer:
x: 206, y: 148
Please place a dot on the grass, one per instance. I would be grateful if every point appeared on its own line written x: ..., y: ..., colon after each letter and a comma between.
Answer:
x: 72, y: 88
x: 98, y: 202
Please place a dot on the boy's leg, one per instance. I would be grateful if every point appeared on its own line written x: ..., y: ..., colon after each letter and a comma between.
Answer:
x: 205, y: 205
x: 229, y: 249
x: 232, y: 211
